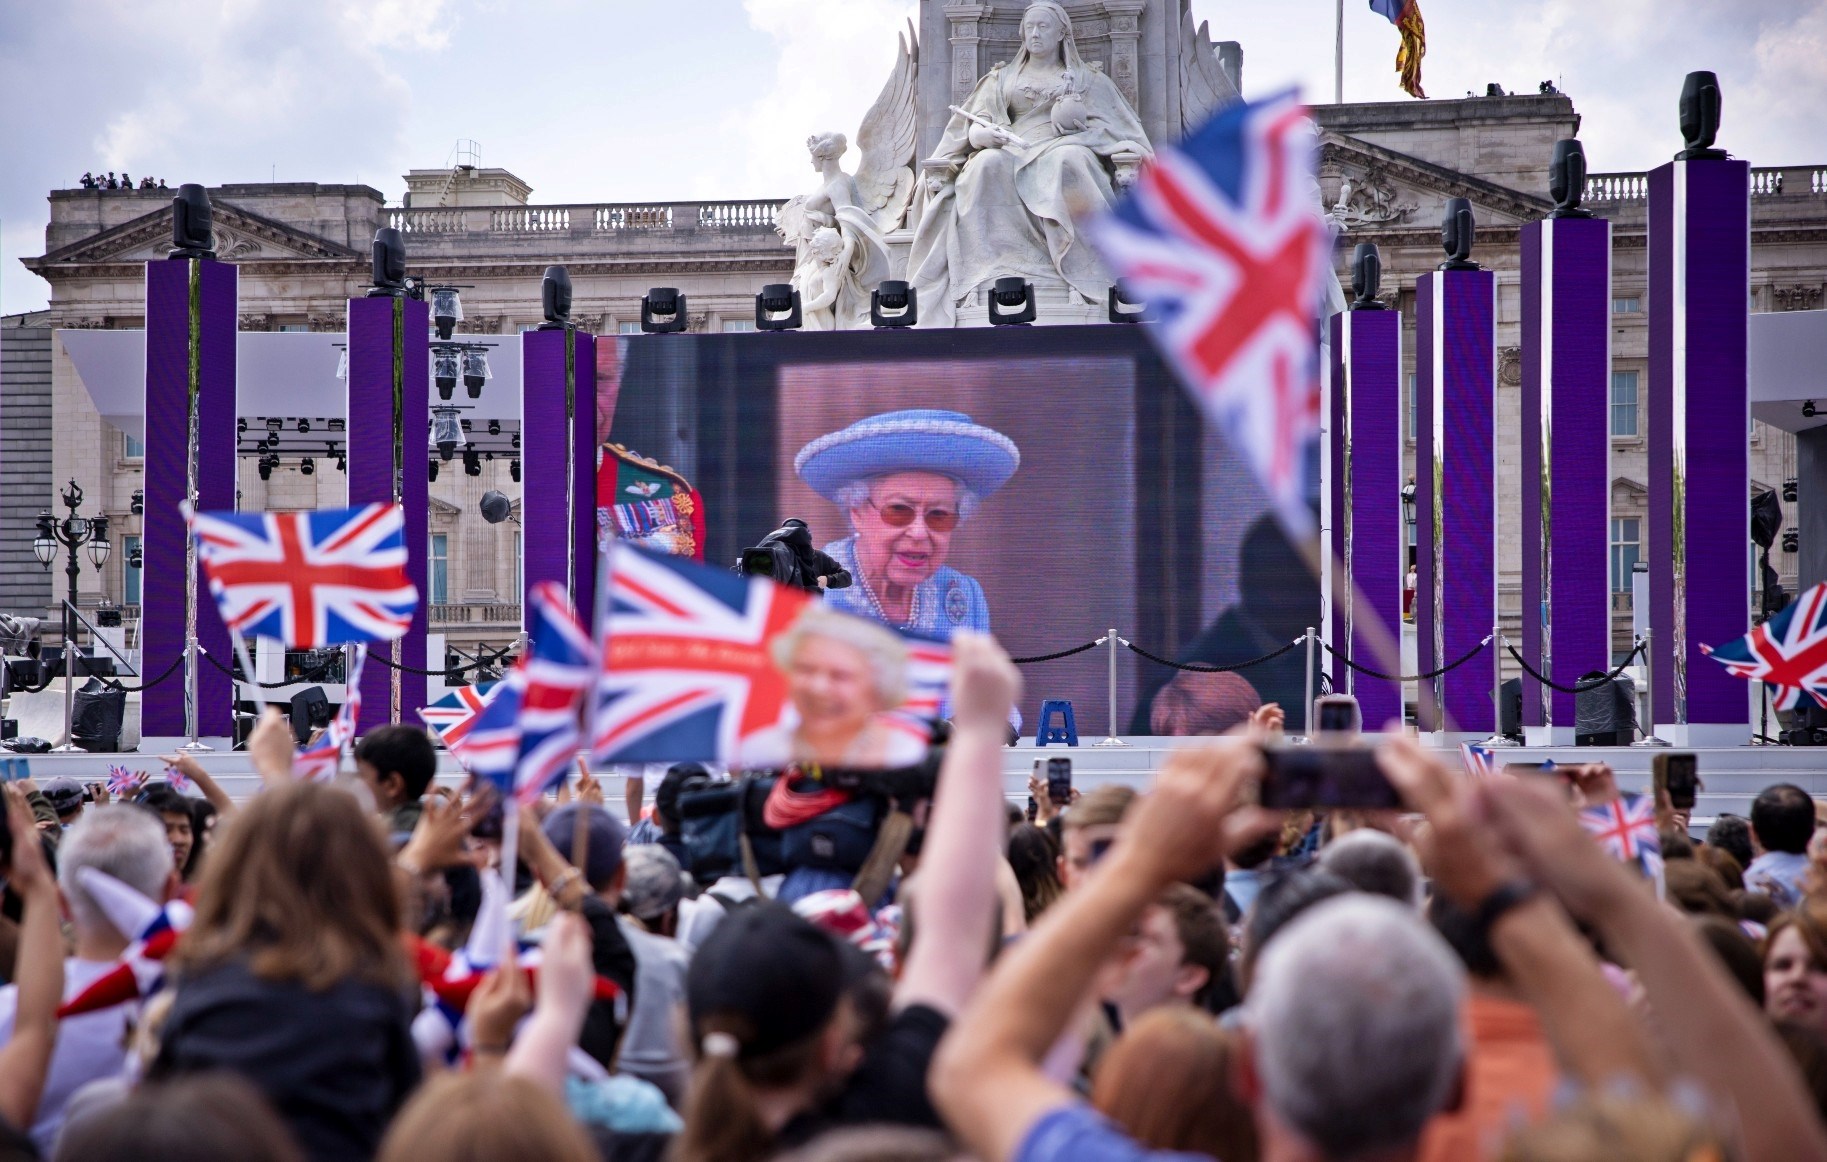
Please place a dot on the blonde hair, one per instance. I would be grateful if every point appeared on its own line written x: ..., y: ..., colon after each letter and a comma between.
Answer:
x: 1170, y: 1081
x: 881, y: 647
x: 1616, y: 1129
x: 467, y: 1117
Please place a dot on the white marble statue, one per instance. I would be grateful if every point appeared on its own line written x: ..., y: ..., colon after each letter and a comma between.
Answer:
x: 1041, y: 142
x: 859, y: 208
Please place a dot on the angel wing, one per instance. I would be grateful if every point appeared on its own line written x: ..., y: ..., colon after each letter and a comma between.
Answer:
x: 886, y: 141
x: 1205, y: 87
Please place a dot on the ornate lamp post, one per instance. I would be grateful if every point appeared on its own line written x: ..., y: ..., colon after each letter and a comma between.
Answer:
x: 72, y: 532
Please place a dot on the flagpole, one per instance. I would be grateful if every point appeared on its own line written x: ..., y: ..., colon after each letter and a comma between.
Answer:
x: 510, y: 858
x: 1338, y: 58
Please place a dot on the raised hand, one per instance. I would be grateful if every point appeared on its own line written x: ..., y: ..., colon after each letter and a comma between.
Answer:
x: 1190, y: 820
x: 985, y: 683
x: 1457, y: 850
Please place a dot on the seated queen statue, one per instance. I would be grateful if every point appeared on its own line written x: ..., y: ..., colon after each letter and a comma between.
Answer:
x: 1040, y: 143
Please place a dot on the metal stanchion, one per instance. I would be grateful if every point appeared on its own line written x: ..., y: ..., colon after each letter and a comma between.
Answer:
x: 1307, y: 708
x: 1111, y: 739
x: 1498, y: 737
x: 1649, y: 687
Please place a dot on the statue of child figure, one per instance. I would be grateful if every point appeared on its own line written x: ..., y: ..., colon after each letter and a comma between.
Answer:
x: 822, y: 276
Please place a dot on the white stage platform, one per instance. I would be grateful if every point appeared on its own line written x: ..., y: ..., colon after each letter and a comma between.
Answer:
x: 1732, y: 775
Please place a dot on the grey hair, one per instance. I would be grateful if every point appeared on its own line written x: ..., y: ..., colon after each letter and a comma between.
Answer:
x: 884, y: 650
x: 1354, y: 1008
x: 1376, y: 862
x: 857, y: 493
x: 122, y: 841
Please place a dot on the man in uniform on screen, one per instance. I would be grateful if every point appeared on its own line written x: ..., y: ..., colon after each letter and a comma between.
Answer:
x: 906, y: 480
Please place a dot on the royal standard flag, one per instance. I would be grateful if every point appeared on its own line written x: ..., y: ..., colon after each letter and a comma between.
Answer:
x: 1406, y: 16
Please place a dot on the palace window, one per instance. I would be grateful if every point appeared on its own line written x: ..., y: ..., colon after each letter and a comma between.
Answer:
x: 130, y: 573
x: 1624, y: 403
x: 1627, y: 305
x: 1626, y: 549
x: 439, y: 572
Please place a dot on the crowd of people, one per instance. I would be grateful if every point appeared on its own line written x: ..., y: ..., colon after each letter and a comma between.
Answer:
x: 1164, y: 973
x: 123, y: 182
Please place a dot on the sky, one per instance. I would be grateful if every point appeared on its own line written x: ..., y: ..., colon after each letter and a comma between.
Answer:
x: 631, y: 100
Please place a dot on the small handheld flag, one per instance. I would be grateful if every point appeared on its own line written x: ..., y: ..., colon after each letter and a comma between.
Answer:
x: 1477, y: 760
x: 1626, y: 829
x: 453, y: 716
x: 1788, y: 652
x: 320, y: 761
x: 526, y: 734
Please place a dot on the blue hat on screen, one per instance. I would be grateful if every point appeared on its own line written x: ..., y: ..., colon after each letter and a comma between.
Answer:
x: 915, y: 440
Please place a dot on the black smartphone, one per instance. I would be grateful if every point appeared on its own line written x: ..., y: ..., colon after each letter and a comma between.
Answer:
x: 1679, y: 775
x: 1325, y: 776
x: 1337, y: 714
x: 1059, y: 781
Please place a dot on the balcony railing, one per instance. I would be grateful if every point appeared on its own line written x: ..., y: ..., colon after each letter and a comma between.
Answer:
x: 1621, y: 602
x: 495, y: 613
x: 1770, y: 182
x: 609, y: 218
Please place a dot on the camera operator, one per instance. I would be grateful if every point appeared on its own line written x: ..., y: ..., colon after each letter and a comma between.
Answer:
x: 787, y: 556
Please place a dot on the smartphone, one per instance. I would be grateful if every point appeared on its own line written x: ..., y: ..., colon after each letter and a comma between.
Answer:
x: 1337, y: 714
x: 1325, y: 776
x: 1679, y: 775
x: 12, y: 770
x: 1059, y: 781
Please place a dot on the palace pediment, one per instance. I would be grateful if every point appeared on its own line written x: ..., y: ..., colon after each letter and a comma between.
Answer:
x: 241, y: 236
x: 1371, y: 189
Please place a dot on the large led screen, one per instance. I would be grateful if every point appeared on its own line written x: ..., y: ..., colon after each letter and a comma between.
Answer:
x: 1046, y: 484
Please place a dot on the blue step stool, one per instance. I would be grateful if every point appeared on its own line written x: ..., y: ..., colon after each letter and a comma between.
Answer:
x: 1066, y: 731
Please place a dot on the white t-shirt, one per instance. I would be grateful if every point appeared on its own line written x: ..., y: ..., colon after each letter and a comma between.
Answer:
x: 699, y: 918
x: 89, y: 1046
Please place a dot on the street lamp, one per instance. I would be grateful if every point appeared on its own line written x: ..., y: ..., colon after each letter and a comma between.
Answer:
x: 1408, y: 507
x: 72, y: 532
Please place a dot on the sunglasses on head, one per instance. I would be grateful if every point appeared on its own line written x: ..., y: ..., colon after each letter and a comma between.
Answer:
x: 898, y: 515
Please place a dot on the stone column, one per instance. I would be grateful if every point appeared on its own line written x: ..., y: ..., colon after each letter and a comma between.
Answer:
x: 1369, y: 539
x: 1699, y: 457
x: 558, y: 464
x: 1566, y: 470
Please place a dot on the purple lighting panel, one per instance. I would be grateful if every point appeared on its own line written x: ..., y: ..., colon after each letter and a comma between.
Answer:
x: 548, y: 444
x: 1369, y: 537
x: 1566, y: 446
x: 168, y: 356
x: 1699, y: 426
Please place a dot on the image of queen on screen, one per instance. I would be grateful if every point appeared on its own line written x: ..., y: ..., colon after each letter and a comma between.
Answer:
x: 905, y: 481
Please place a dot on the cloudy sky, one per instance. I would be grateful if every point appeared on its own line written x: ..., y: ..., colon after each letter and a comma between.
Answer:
x: 632, y: 100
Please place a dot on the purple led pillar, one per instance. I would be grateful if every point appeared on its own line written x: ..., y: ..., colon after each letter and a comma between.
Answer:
x: 389, y: 414
x: 558, y: 463
x: 1456, y: 354
x: 178, y: 290
x: 1566, y: 476
x: 1699, y: 437
x: 1368, y: 533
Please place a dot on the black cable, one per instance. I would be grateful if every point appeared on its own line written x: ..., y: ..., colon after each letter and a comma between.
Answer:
x: 1200, y: 669
x: 1577, y: 687
x: 1059, y: 654
x: 1368, y: 672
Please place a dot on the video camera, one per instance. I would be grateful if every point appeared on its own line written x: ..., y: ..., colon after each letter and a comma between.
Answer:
x: 774, y: 559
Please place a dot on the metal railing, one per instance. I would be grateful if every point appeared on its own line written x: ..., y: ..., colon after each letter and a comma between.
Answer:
x: 1767, y: 182
x: 601, y: 218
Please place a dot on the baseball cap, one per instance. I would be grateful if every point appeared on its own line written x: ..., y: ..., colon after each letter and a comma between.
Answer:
x: 654, y: 882
x: 767, y: 976
x: 607, y: 835
x: 64, y: 794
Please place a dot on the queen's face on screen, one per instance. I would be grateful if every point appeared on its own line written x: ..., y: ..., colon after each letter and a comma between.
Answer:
x: 904, y: 524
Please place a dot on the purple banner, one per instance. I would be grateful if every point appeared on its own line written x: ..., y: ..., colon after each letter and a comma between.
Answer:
x: 168, y: 359
x: 1427, y: 653
x: 376, y: 437
x: 1699, y: 426
x: 583, y: 477
x: 1457, y: 344
x: 556, y: 549
x: 1369, y: 535
x: 1566, y: 446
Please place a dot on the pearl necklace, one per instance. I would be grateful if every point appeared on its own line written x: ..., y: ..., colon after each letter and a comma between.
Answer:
x: 881, y: 615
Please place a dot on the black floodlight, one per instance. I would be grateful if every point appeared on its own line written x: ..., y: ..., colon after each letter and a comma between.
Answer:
x: 1700, y: 107
x: 555, y: 298
x: 1567, y: 179
x: 446, y: 310
x: 662, y: 311
x: 1457, y: 233
x: 1124, y: 307
x: 1011, y: 302
x: 1366, y: 278
x: 894, y: 304
x: 387, y: 259
x: 777, y: 308
x: 192, y: 235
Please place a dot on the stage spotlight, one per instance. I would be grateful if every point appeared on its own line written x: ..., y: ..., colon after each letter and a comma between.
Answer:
x: 387, y: 261
x: 1792, y: 540
x: 241, y: 426
x: 275, y: 424
x: 308, y: 466
x: 304, y: 427
x: 434, y: 471
x: 137, y: 505
x: 342, y: 463
x: 894, y: 304
x: 446, y: 310
x: 1567, y: 179
x: 446, y: 365
x: 1791, y: 490
x: 555, y: 298
x: 136, y: 559
x: 1699, y: 117
x: 342, y: 459
x: 662, y: 311
x: 777, y: 308
x: 191, y: 232
x: 475, y: 370
x: 515, y: 442
x: 495, y: 507
x: 1808, y: 409
x: 472, y: 462
x: 467, y: 426
x: 272, y: 440
x: 337, y: 426
x: 1123, y: 308
x: 1457, y: 233
x: 266, y: 466
x: 494, y: 427
x: 1011, y: 302
x: 514, y: 470
x: 446, y: 432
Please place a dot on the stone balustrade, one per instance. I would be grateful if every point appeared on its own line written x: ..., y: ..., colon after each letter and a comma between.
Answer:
x: 611, y: 218
x: 1769, y: 182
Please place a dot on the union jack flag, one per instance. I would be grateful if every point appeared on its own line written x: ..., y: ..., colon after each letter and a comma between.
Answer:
x: 154, y: 930
x: 309, y: 579
x: 1222, y: 235
x: 1788, y: 652
x: 453, y: 716
x: 1626, y: 829
x: 123, y: 783
x: 688, y: 669
x: 526, y: 735
x: 1478, y: 761
x: 320, y: 761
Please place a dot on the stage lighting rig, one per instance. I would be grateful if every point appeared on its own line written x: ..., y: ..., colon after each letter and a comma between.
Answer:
x: 1808, y: 409
x: 434, y: 471
x: 387, y: 263
x: 662, y: 311
x: 1792, y: 540
x: 1791, y: 490
x: 137, y: 505
x: 337, y: 425
x: 1123, y: 307
x: 514, y: 470
x: 446, y: 432
x: 1567, y: 179
x: 192, y: 235
x: 1366, y: 278
x: 472, y: 462
x: 555, y: 298
x: 266, y: 465
x: 777, y: 308
x: 308, y: 466
x: 304, y: 427
x: 1011, y: 302
x: 475, y: 369
x: 1457, y: 233
x: 1699, y: 117
x: 446, y: 310
x: 894, y: 304
x: 446, y: 366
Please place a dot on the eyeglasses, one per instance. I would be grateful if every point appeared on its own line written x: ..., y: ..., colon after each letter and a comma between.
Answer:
x: 898, y: 515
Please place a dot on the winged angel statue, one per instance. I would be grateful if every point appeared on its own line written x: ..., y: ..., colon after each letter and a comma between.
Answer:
x: 838, y: 231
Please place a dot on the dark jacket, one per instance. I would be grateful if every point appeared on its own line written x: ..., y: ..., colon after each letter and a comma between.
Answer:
x: 335, y: 1064
x: 605, y: 1021
x: 813, y: 563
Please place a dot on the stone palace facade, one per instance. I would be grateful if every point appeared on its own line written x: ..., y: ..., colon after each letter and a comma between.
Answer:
x: 1386, y: 171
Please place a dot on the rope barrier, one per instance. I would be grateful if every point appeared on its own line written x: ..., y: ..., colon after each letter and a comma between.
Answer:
x: 1195, y: 668
x: 1368, y: 672
x: 1060, y: 653
x: 447, y: 674
x: 1577, y: 687
x: 316, y: 675
x: 112, y: 684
